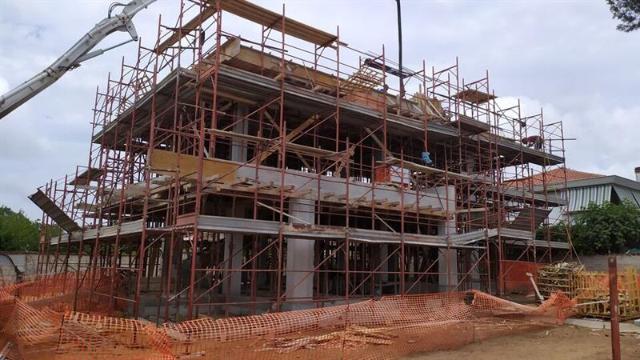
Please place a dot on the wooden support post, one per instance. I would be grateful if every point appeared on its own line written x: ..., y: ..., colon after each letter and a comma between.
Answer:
x: 613, y: 299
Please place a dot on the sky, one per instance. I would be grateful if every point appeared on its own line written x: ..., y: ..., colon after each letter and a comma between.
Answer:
x: 564, y: 56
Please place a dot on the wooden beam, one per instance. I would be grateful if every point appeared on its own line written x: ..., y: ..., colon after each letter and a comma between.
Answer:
x: 229, y: 50
x: 186, y: 165
x: 345, y: 157
x: 270, y: 19
x: 179, y: 33
x: 376, y: 139
x: 295, y: 148
x: 292, y: 135
x: 304, y: 162
x: 424, y: 169
x: 254, y: 60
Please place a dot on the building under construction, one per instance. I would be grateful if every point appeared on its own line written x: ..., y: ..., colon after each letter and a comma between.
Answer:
x: 230, y: 175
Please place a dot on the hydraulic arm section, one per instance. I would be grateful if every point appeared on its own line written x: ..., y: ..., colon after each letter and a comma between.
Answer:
x: 78, y: 53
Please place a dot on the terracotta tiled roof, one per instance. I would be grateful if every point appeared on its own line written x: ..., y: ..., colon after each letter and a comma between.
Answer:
x: 578, y: 175
x: 557, y: 176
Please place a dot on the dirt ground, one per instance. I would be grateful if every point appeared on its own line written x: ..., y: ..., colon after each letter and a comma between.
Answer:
x: 563, y: 343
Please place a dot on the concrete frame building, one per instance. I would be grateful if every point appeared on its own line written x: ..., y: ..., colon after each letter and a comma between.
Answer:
x: 229, y: 175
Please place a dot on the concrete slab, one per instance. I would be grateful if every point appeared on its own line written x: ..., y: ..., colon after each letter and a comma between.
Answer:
x: 598, y: 324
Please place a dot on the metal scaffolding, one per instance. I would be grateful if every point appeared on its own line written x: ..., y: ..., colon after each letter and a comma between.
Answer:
x: 229, y: 175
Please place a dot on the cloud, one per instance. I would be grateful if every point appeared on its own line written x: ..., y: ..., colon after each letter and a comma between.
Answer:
x: 564, y: 56
x: 4, y: 86
x: 599, y: 139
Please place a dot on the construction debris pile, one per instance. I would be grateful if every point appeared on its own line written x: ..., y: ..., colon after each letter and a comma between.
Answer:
x: 558, y: 277
x: 353, y: 336
x: 36, y: 324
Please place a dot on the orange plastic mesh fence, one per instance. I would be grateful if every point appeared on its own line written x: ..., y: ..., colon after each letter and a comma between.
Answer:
x: 40, y: 327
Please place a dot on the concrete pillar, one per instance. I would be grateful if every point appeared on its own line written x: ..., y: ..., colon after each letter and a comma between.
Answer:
x: 232, y: 246
x: 384, y: 252
x: 468, y: 166
x: 476, y: 281
x: 447, y: 258
x: 239, y: 147
x: 381, y: 276
x: 448, y: 269
x: 234, y: 242
x: 300, y: 255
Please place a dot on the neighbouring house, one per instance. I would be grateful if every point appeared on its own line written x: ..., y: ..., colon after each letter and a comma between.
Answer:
x: 582, y: 188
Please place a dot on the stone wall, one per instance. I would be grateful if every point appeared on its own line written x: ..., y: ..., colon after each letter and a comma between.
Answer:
x: 600, y: 262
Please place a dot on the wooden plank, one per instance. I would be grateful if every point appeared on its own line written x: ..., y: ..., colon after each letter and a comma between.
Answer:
x: 429, y: 106
x: 49, y: 207
x: 228, y: 50
x: 424, y: 169
x: 269, y: 65
x: 296, y: 148
x: 187, y: 165
x: 375, y: 138
x: 474, y: 96
x: 178, y: 34
x: 86, y: 177
x: 273, y: 20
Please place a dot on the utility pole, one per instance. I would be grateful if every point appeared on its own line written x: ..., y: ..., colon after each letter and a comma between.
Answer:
x: 614, y: 308
x: 401, y: 72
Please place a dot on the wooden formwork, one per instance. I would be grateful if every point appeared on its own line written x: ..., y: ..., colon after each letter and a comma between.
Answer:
x: 593, y: 294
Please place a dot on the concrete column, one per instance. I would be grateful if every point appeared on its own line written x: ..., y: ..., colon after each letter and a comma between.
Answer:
x: 447, y: 258
x: 239, y: 147
x: 448, y: 269
x: 300, y: 254
x: 476, y: 282
x: 234, y: 282
x: 234, y: 242
x: 384, y: 252
x: 468, y: 165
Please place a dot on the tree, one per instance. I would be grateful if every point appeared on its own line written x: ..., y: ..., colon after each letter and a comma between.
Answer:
x: 607, y: 228
x: 555, y: 232
x: 17, y: 232
x: 628, y: 12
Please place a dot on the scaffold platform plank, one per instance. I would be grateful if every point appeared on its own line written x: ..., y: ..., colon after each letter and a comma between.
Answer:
x: 50, y: 208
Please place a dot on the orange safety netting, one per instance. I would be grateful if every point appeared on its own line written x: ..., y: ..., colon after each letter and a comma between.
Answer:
x: 36, y: 323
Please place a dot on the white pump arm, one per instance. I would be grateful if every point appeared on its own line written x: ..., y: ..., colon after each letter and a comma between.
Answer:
x: 78, y: 53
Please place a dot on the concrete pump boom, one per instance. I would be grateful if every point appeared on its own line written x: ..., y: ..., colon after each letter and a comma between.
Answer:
x: 78, y: 53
